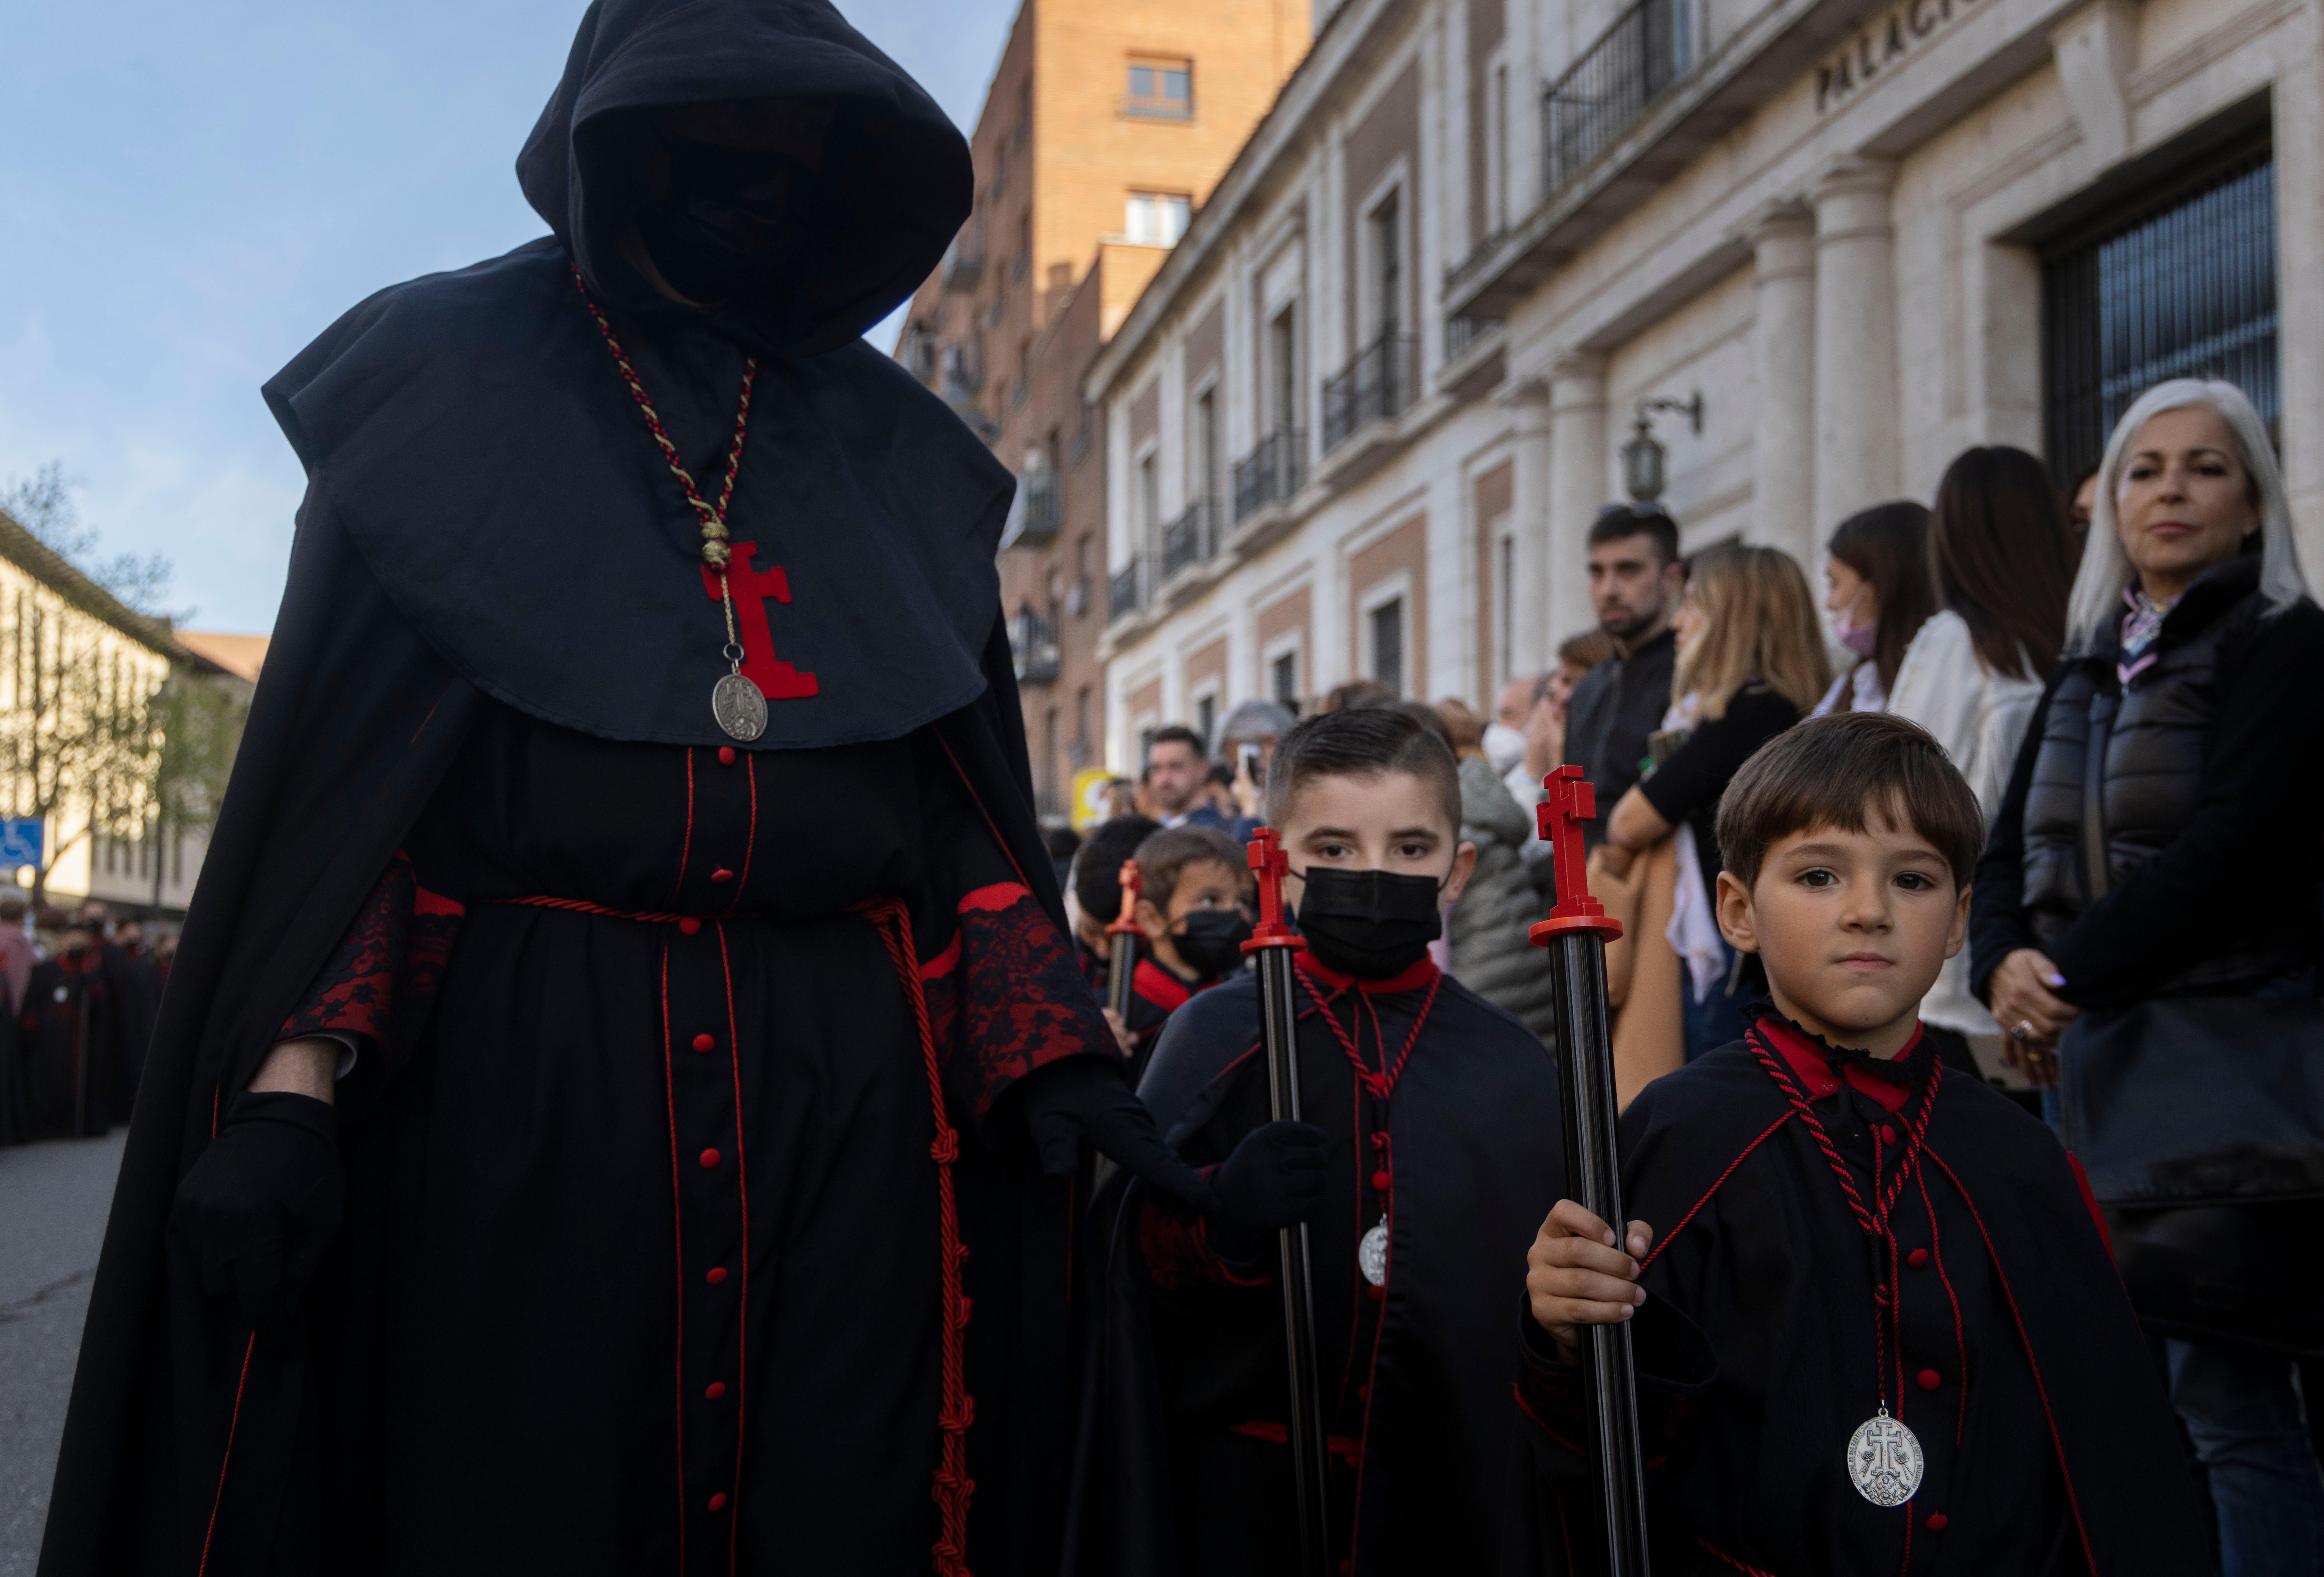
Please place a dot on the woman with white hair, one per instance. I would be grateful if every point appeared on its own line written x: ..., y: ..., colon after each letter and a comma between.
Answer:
x: 2145, y: 923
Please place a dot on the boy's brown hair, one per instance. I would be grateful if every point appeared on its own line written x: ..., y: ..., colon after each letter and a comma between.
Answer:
x: 1362, y: 742
x: 1844, y: 771
x: 1164, y: 855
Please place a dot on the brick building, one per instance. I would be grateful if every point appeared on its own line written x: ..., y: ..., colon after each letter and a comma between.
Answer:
x: 1106, y: 126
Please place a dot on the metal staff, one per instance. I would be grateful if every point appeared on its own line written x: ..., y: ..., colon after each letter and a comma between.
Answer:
x: 1278, y: 1018
x: 1121, y: 943
x: 1576, y: 934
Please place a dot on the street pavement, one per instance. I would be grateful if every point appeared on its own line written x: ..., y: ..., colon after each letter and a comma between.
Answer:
x: 53, y: 1199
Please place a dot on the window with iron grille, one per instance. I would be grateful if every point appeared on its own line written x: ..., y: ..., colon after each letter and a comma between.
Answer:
x: 2181, y: 286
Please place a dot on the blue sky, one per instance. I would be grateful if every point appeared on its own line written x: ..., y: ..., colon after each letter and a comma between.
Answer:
x: 189, y: 193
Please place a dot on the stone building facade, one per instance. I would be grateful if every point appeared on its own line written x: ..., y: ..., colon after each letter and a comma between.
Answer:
x: 1866, y: 236
x: 1106, y: 128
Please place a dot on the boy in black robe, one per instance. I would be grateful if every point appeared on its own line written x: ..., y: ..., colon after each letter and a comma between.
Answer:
x: 1097, y: 903
x: 1882, y: 1331
x: 1440, y: 1124
x: 1193, y: 909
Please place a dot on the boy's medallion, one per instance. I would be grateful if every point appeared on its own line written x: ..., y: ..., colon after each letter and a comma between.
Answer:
x: 1884, y: 1459
x: 1371, y: 1254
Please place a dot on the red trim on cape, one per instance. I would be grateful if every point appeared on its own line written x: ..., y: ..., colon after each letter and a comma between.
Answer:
x: 2090, y: 1203
x: 992, y: 898
x: 1669, y: 1236
x: 1158, y: 986
x: 1407, y: 980
x: 1340, y: 1445
x: 2001, y: 1279
x: 1814, y: 1074
x: 232, y: 1420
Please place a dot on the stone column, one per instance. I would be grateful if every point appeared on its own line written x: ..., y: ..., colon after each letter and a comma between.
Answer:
x: 1856, y: 459
x: 1783, y: 350
x: 1577, y: 488
x: 1527, y: 404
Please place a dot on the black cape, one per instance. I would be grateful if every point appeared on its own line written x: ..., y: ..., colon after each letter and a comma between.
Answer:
x: 1181, y: 1465
x: 1757, y: 1351
x: 490, y: 541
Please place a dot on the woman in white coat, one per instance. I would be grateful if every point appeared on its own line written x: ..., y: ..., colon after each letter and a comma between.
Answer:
x: 2001, y: 560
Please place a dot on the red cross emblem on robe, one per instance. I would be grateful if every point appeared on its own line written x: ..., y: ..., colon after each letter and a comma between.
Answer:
x: 777, y: 679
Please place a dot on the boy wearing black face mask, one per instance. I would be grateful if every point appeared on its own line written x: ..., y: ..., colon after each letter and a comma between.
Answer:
x: 1440, y: 1118
x: 1192, y: 906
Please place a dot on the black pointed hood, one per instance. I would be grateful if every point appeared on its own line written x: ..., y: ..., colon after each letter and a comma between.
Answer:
x: 894, y: 183
x: 472, y: 434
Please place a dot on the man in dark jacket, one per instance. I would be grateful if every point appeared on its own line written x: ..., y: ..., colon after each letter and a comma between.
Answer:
x: 1635, y: 580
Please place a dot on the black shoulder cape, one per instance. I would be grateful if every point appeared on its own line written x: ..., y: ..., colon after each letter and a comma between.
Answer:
x: 1719, y: 1132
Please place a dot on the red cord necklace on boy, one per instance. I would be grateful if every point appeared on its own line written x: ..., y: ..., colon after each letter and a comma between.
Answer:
x: 739, y: 699
x: 1371, y: 1253
x: 1885, y: 1460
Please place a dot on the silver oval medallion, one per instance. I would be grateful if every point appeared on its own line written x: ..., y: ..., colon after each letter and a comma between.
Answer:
x: 1371, y: 1254
x: 1884, y: 1461
x: 739, y: 707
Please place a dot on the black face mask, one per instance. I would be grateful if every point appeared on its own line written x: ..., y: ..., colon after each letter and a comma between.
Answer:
x: 724, y: 230
x: 1212, y: 941
x: 1370, y: 923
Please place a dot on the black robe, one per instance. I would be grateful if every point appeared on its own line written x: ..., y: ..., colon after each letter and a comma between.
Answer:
x: 73, y: 1048
x: 1182, y: 1465
x: 608, y: 1298
x: 2049, y: 1448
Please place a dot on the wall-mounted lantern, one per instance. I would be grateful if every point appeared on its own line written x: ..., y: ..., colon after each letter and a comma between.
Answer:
x: 1642, y: 456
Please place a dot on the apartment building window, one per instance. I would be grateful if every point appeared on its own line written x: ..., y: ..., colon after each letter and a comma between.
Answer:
x: 1385, y: 233
x: 1049, y: 759
x: 1387, y: 644
x: 1206, y: 713
x: 1207, y: 485
x: 1024, y: 112
x: 1084, y: 577
x: 1156, y: 218
x: 1082, y: 716
x: 1160, y: 89
x: 1504, y: 653
x: 1497, y: 168
x: 1283, y: 370
x: 1149, y: 502
x: 1023, y: 260
x: 1000, y: 173
x: 1283, y: 678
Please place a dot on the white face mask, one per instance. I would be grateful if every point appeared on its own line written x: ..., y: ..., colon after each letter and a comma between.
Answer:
x: 1504, y: 747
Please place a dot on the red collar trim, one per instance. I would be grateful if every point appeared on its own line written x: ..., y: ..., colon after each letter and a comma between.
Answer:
x: 1815, y: 1076
x: 1158, y: 986
x: 1410, y: 980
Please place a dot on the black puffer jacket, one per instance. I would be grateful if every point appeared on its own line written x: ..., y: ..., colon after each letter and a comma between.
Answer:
x: 2212, y: 850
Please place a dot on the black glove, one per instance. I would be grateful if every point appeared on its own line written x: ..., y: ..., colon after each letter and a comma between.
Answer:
x: 261, y: 1206
x: 1085, y: 1098
x: 1274, y: 1180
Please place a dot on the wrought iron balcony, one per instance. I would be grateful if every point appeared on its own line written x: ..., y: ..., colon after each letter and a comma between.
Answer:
x: 1609, y: 89
x: 1033, y: 518
x: 1129, y: 589
x: 963, y: 263
x: 1270, y: 473
x: 1033, y: 642
x: 1376, y: 384
x: 1191, y: 539
x: 1460, y: 333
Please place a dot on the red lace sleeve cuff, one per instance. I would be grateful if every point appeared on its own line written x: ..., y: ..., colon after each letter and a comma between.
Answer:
x: 381, y: 978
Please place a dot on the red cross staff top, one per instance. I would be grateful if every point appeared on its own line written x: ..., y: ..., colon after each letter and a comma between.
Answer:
x: 777, y: 679
x: 1570, y: 801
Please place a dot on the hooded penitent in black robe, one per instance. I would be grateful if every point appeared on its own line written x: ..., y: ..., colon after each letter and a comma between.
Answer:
x: 71, y: 1027
x: 135, y: 988
x: 2011, y: 1355
x: 689, y: 1225
x: 1182, y: 1465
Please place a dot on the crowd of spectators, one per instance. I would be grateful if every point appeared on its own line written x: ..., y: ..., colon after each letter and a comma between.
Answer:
x: 82, y: 989
x: 2125, y: 673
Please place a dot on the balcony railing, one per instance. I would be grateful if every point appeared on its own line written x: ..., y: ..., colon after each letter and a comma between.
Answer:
x: 1033, y: 642
x: 1376, y: 384
x: 1460, y: 333
x: 963, y: 263
x: 1191, y: 539
x: 1128, y: 590
x: 1033, y: 521
x: 1607, y: 91
x: 1270, y: 473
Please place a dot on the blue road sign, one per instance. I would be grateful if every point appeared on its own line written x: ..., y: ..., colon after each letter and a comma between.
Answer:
x: 20, y: 841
